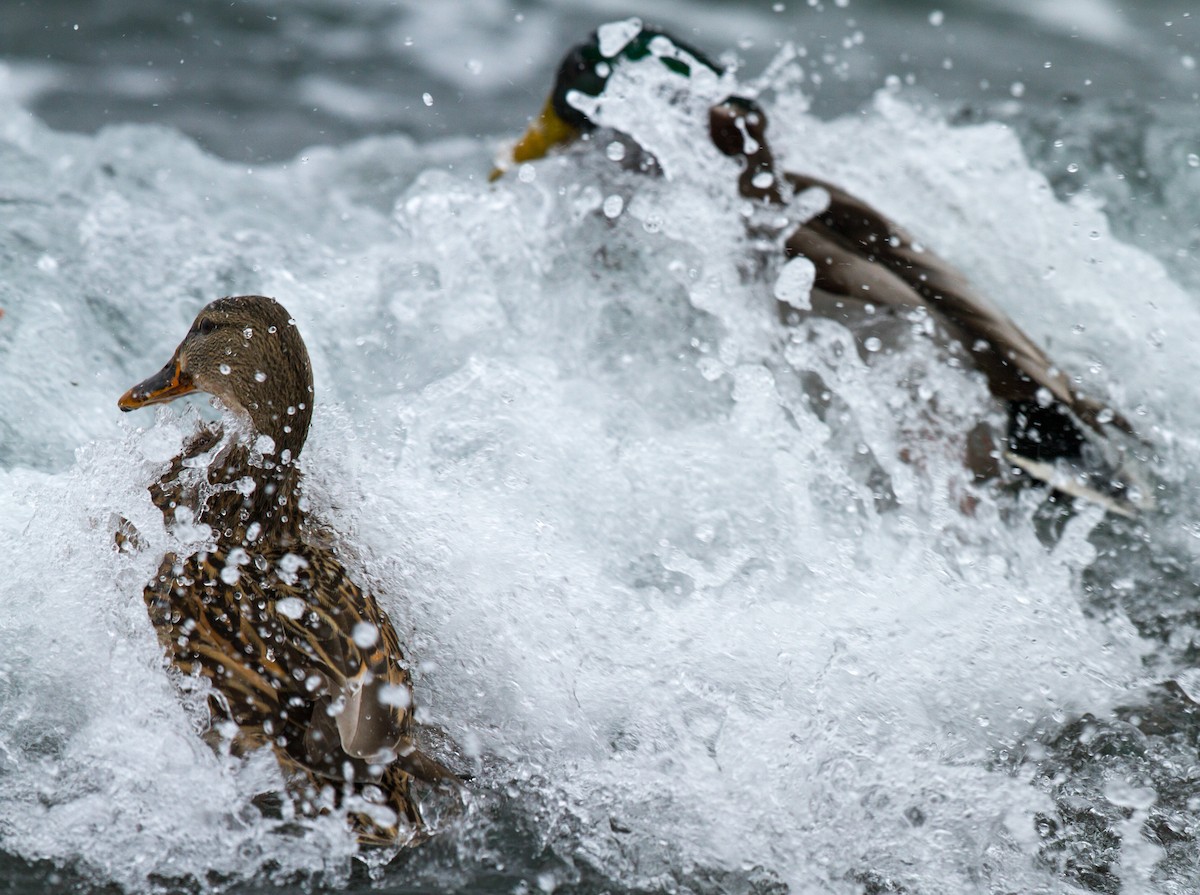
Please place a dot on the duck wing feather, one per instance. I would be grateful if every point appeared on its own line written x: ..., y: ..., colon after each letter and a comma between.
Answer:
x: 853, y: 245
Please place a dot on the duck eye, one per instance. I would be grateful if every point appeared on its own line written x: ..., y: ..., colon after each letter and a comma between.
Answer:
x: 206, y: 326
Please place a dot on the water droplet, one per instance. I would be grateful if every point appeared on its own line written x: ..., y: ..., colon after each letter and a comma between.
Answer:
x: 794, y: 285
x: 289, y: 564
x: 290, y: 607
x: 365, y: 635
x: 763, y: 179
x: 615, y: 151
x: 1128, y: 795
x: 474, y: 66
x: 613, y: 206
x: 393, y: 695
x: 260, y: 376
x: 936, y: 18
x: 527, y: 173
x: 613, y: 37
x: 872, y: 344
x: 225, y: 369
x: 1193, y: 160
x: 1017, y: 89
x: 427, y: 99
x: 248, y: 332
x: 1073, y: 168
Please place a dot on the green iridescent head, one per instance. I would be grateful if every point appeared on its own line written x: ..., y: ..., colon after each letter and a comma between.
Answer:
x: 586, y: 68
x: 736, y: 123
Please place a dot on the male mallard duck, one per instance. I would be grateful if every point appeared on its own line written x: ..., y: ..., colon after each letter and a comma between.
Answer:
x: 860, y: 255
x: 298, y: 656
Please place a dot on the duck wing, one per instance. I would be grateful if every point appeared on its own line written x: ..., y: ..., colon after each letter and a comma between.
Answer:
x: 853, y: 245
x: 365, y: 692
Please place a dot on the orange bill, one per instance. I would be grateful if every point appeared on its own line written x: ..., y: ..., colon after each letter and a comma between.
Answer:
x: 166, y: 385
x: 544, y: 133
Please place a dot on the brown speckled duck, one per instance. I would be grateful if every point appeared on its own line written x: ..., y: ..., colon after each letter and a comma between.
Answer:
x: 300, y: 659
x: 859, y: 255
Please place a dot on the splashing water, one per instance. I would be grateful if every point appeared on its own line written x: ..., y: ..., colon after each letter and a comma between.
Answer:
x: 690, y: 622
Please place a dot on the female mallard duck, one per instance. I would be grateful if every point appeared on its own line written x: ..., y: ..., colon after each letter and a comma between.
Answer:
x: 298, y: 657
x: 858, y: 253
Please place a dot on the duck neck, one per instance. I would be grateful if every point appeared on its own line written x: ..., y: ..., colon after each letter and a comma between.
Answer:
x: 245, y: 489
x: 268, y: 455
x: 250, y: 494
x: 284, y: 422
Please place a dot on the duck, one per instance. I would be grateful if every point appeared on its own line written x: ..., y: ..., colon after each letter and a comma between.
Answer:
x: 1055, y: 432
x: 297, y: 657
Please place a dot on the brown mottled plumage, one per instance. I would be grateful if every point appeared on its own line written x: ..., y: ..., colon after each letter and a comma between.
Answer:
x: 299, y: 658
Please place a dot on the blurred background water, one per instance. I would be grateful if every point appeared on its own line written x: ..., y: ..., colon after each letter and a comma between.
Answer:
x: 259, y: 81
x: 566, y: 455
x: 1090, y: 85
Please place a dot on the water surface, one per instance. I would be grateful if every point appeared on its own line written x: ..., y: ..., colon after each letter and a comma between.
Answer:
x: 697, y: 631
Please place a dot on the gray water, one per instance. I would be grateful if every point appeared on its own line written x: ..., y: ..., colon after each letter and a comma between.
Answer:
x: 260, y: 81
x: 649, y: 588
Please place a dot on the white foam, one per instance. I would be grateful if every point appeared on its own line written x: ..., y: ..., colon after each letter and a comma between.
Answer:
x: 613, y: 37
x: 641, y: 572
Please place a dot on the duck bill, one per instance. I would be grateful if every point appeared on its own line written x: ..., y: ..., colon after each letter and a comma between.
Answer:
x: 166, y: 385
x: 545, y: 132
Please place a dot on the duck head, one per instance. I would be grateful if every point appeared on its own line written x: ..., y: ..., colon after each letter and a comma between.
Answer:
x: 247, y: 351
x: 736, y: 124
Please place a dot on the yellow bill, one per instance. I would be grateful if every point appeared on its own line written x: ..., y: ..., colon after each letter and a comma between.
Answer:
x: 545, y: 132
x: 166, y: 385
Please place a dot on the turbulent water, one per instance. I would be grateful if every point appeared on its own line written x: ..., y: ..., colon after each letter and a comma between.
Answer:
x: 693, y: 623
